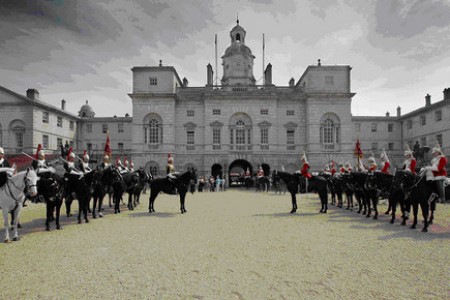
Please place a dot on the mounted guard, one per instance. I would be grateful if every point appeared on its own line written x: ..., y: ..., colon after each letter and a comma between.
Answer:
x: 409, y: 164
x: 5, y: 168
x: 385, y: 164
x: 84, y: 163
x: 372, y: 164
x: 437, y: 172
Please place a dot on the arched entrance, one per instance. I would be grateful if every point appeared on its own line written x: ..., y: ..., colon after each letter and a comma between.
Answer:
x: 237, y: 169
x: 216, y: 169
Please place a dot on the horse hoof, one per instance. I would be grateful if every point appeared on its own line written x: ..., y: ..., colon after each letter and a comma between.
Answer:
x: 430, y: 222
x: 392, y: 222
x: 7, y: 241
x: 87, y: 220
x: 413, y: 227
x: 403, y: 223
x: 321, y: 211
x: 424, y: 229
x: 375, y: 217
x: 367, y: 216
x: 79, y: 221
x: 16, y: 239
x: 19, y: 226
x: 48, y: 229
x: 386, y: 213
x: 94, y: 216
x: 100, y: 215
x: 59, y: 227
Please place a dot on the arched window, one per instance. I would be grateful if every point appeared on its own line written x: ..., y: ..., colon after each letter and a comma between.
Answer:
x: 153, y: 130
x: 240, y: 132
x: 330, y: 132
x: 153, y: 168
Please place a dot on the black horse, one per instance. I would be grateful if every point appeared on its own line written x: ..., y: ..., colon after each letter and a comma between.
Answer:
x: 50, y: 189
x: 277, y: 184
x: 296, y: 183
x: 420, y: 192
x: 144, y: 179
x: 80, y: 189
x: 166, y: 185
x: 355, y: 183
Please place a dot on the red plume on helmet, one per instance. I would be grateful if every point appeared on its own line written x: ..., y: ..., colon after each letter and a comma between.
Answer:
x: 169, y: 158
x: 39, y: 148
x: 118, y: 161
x: 84, y: 153
x: 68, y: 153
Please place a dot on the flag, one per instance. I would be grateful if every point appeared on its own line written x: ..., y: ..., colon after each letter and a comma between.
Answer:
x: 68, y: 153
x: 39, y: 148
x: 108, y: 145
x: 358, y: 151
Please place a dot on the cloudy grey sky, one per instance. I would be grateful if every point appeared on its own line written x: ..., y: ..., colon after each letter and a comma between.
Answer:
x: 78, y: 50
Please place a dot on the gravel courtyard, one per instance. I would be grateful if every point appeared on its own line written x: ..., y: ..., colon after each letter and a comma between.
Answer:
x: 230, y: 245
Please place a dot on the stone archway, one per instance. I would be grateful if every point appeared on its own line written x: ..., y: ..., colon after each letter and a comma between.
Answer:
x: 266, y: 169
x: 216, y: 169
x: 237, y: 169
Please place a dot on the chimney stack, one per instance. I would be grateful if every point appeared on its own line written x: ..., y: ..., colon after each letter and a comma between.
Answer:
x: 63, y: 104
x: 388, y: 114
x: 160, y: 63
x: 427, y: 100
x: 33, y: 94
x: 185, y: 82
x: 292, y: 82
x: 399, y: 111
x: 447, y: 94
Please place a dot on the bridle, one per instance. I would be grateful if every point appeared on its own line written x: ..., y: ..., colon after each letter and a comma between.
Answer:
x: 27, y: 186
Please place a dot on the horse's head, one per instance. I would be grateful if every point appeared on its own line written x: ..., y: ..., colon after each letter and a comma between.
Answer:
x: 30, y: 181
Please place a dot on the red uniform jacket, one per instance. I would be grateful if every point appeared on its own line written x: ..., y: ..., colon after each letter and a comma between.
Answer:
x: 385, y: 168
x: 304, y: 170
x: 441, y: 173
x: 410, y: 165
x: 373, y: 167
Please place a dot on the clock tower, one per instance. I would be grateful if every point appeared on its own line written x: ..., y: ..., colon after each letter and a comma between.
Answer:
x: 238, y: 60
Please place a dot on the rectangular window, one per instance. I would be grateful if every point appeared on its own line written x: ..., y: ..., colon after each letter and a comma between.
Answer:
x: 19, y: 140
x: 409, y: 124
x: 216, y: 138
x: 216, y: 112
x: 190, y: 113
x: 120, y: 127
x: 358, y: 127
x: 120, y: 147
x: 329, y: 80
x: 290, y: 139
x: 71, y: 144
x: 264, y: 111
x: 89, y: 147
x: 374, y: 127
x: 290, y: 113
x: 190, y: 140
x: 423, y: 120
x: 104, y: 128
x: 374, y: 146
x: 45, y: 141
x: 423, y: 141
x: 71, y: 125
x: 391, y: 146
x: 59, y: 142
x: 439, y: 139
x: 410, y: 144
x: 264, y: 138
x: 59, y: 122
x: 438, y: 115
x: 45, y: 117
x: 89, y: 128
x: 153, y: 81
x: 390, y: 127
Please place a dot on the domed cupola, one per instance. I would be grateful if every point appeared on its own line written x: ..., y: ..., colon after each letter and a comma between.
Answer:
x: 86, y: 111
x: 238, y: 60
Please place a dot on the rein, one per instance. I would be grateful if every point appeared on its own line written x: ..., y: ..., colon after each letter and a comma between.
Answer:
x: 416, y: 184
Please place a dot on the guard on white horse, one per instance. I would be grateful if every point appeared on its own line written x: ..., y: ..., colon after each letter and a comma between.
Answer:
x: 12, y: 196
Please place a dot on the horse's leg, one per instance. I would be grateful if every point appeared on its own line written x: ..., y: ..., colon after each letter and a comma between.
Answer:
x: 153, y: 194
x: 58, y: 202
x: 49, y: 210
x: 94, y: 204
x: 5, y: 223
x: 294, y: 203
x: 68, y: 203
x: 16, y: 221
x: 375, y: 204
x: 85, y: 207
x: 130, y: 201
x: 100, y: 204
x: 80, y: 209
x: 182, y: 200
x: 425, y: 207
x: 393, y: 206
x: 431, y: 212
x: 415, y: 212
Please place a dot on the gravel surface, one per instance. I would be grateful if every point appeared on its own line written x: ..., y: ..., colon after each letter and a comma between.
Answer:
x: 230, y: 245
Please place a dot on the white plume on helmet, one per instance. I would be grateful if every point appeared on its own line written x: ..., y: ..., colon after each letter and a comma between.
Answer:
x: 437, y: 149
x: 408, y: 150
x: 383, y: 155
x: 304, y: 157
x: 2, y: 151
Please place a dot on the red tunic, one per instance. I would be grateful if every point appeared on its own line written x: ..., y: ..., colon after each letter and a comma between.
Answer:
x: 441, y: 173
x: 385, y: 168
x: 304, y: 170
x: 333, y: 171
x: 411, y: 165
